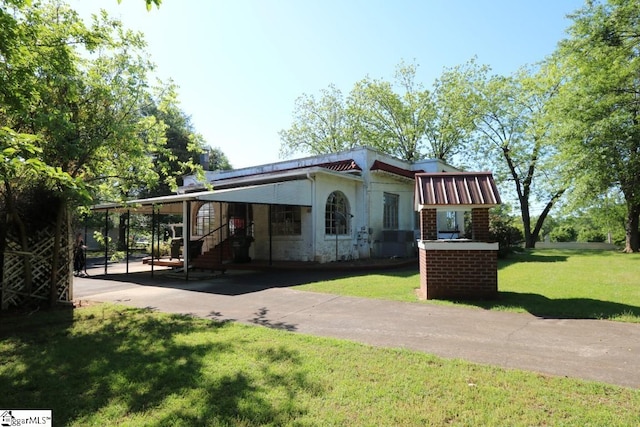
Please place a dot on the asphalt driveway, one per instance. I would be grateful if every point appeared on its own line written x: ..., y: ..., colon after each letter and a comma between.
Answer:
x: 597, y: 350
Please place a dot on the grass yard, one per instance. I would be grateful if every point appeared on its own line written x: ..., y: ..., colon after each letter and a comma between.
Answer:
x: 557, y: 283
x: 110, y: 365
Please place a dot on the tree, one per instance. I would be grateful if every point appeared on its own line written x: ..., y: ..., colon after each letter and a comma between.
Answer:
x: 217, y: 160
x: 400, y: 118
x: 516, y: 139
x: 183, y: 146
x: 454, y: 118
x: 601, y: 101
x: 391, y: 122
x: 149, y: 3
x: 79, y: 92
x: 319, y: 126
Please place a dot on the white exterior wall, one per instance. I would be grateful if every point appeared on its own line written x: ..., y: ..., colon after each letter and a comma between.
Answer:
x: 283, y: 248
x: 326, y: 245
x: 406, y: 214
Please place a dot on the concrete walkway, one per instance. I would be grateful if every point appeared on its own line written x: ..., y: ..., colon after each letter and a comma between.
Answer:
x: 597, y: 350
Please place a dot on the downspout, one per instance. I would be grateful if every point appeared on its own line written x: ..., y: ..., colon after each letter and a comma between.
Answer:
x: 313, y: 216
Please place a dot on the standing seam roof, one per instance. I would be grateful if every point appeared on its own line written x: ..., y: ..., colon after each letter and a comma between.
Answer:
x: 457, y: 188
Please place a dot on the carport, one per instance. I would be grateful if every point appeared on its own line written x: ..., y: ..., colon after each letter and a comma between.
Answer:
x: 292, y: 192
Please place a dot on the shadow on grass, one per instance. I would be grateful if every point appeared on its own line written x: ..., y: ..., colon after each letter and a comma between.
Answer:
x: 117, y: 363
x: 567, y: 308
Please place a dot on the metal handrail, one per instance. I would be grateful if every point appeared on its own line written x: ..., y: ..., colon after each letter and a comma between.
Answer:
x: 212, y: 231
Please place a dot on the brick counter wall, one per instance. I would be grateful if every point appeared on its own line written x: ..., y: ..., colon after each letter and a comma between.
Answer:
x: 468, y: 274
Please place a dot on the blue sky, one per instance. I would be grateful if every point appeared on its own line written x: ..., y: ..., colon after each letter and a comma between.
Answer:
x: 240, y: 64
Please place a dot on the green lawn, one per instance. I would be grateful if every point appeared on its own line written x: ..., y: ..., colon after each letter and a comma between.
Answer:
x: 559, y: 283
x: 109, y: 365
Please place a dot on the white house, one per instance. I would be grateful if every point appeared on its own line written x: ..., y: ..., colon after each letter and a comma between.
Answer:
x: 348, y: 205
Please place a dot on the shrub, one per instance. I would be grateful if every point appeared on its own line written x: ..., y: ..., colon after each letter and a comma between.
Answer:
x: 164, y: 249
x: 564, y: 233
x: 591, y: 236
x: 503, y: 232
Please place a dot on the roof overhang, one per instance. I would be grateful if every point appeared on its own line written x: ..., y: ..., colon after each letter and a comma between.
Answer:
x: 395, y: 171
x: 295, y: 192
x: 268, y: 178
x: 456, y: 190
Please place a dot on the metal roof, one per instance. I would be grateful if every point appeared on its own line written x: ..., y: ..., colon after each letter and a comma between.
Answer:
x: 457, y: 189
x: 386, y: 167
x: 345, y: 166
x: 295, y: 192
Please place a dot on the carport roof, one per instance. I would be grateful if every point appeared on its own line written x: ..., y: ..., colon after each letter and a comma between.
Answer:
x: 294, y: 192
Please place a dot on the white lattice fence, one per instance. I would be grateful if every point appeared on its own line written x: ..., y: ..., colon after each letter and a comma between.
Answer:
x: 14, y: 292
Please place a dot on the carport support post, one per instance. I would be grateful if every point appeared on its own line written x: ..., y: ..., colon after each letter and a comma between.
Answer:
x: 153, y: 234
x: 186, y: 238
x: 106, y: 240
x: 127, y: 237
x: 270, y: 237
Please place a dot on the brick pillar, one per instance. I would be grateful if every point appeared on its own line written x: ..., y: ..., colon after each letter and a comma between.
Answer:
x: 428, y: 224
x: 480, y: 224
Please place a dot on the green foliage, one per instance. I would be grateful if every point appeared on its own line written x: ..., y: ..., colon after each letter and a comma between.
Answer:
x: 99, y: 237
x: 218, y: 161
x: 320, y: 125
x: 600, y: 103
x: 159, y: 250
x: 503, y: 230
x: 400, y: 118
x: 516, y: 138
x: 83, y: 90
x: 564, y: 233
x: 591, y: 235
x: 392, y: 122
x: 149, y: 3
x: 182, y: 147
x: 455, y: 114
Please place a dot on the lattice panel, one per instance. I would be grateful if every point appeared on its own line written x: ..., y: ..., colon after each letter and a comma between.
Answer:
x: 14, y: 292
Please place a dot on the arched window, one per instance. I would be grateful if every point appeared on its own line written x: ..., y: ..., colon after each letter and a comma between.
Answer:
x: 337, y: 215
x: 204, y: 219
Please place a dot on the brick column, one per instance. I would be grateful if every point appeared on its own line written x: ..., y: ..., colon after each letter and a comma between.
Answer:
x: 428, y: 224
x: 480, y: 224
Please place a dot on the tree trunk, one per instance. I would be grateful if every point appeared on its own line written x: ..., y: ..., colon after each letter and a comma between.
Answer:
x: 632, y: 240
x: 530, y: 241
x: 529, y: 238
x: 543, y: 216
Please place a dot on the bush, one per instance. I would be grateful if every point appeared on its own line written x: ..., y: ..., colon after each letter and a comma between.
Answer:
x: 564, y: 233
x: 505, y: 234
x: 165, y: 249
x: 591, y: 236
